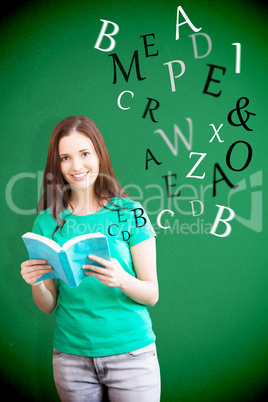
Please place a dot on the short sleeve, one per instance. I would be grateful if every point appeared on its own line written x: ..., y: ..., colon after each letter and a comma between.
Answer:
x: 141, y: 228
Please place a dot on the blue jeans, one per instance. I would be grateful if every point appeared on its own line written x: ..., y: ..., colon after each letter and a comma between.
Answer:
x: 127, y: 377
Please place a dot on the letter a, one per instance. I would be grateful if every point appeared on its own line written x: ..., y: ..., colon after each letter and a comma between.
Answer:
x: 187, y: 21
x: 152, y: 158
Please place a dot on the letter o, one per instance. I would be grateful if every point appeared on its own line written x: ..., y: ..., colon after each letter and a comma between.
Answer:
x: 228, y: 156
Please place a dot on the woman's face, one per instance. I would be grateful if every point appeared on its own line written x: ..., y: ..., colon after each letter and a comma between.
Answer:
x: 78, y: 160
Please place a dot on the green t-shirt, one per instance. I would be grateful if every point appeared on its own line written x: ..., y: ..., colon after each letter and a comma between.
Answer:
x: 94, y: 319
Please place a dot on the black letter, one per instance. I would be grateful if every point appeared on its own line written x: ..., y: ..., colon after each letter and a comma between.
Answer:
x: 126, y: 75
x: 123, y: 235
x: 146, y: 45
x: 152, y: 158
x: 119, y: 220
x: 150, y: 110
x: 109, y: 231
x: 225, y: 178
x: 211, y: 79
x: 140, y: 216
x: 170, y: 185
x: 228, y: 156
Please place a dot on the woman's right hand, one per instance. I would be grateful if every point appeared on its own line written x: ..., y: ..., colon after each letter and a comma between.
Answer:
x: 32, y: 270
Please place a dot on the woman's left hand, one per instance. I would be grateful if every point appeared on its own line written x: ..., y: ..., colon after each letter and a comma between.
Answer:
x: 111, y: 275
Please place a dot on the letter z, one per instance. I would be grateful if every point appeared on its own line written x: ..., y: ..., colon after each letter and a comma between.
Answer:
x: 195, y: 166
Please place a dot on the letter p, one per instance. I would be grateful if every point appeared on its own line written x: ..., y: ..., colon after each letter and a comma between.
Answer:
x: 102, y: 34
x: 171, y: 74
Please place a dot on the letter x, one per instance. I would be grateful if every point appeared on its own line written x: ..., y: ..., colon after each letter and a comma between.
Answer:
x: 216, y: 132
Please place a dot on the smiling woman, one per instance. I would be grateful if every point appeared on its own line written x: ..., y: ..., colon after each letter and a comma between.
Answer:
x: 80, y: 168
x: 62, y: 187
x: 103, y: 327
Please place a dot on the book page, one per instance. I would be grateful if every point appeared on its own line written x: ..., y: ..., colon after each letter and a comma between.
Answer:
x: 78, y: 254
x: 77, y: 239
x: 49, y: 242
x: 42, y: 250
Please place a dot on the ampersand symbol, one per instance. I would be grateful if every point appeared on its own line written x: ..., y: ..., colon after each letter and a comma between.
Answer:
x: 238, y: 110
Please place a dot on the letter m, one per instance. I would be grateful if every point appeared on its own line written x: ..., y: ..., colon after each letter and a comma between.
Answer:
x: 126, y: 75
x: 177, y: 132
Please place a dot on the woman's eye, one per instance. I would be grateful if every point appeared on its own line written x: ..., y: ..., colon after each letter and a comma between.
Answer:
x: 85, y: 153
x: 64, y: 158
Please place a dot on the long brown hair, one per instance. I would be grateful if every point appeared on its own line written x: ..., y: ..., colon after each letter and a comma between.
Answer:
x: 55, y: 191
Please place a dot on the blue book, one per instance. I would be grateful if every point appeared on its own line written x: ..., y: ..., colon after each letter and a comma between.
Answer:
x: 67, y: 260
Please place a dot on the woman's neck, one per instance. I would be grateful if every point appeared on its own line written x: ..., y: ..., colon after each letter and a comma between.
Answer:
x: 83, y: 203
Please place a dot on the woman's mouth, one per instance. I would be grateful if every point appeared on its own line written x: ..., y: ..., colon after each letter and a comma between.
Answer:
x: 79, y: 176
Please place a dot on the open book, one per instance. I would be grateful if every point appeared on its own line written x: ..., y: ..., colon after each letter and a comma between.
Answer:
x: 67, y: 260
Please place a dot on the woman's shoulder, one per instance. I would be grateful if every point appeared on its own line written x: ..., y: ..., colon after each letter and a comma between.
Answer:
x: 45, y: 212
x: 43, y: 221
x: 45, y: 216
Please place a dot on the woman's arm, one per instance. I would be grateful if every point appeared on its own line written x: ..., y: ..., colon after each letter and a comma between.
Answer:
x: 44, y: 293
x: 144, y: 288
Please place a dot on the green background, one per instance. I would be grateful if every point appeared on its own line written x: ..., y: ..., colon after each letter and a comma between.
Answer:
x: 211, y: 320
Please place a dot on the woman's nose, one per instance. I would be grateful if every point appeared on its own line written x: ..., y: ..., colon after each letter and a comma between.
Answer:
x: 77, y: 164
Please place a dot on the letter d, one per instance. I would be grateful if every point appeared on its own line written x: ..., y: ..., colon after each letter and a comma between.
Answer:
x: 195, y: 46
x: 102, y: 34
x: 202, y: 207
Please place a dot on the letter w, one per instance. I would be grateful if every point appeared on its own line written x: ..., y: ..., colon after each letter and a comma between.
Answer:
x: 177, y: 132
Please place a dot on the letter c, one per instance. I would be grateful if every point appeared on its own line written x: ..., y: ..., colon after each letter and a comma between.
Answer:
x: 119, y: 99
x: 160, y: 216
x: 109, y: 229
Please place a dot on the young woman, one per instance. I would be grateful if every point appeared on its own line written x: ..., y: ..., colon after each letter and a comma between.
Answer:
x: 104, y: 345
